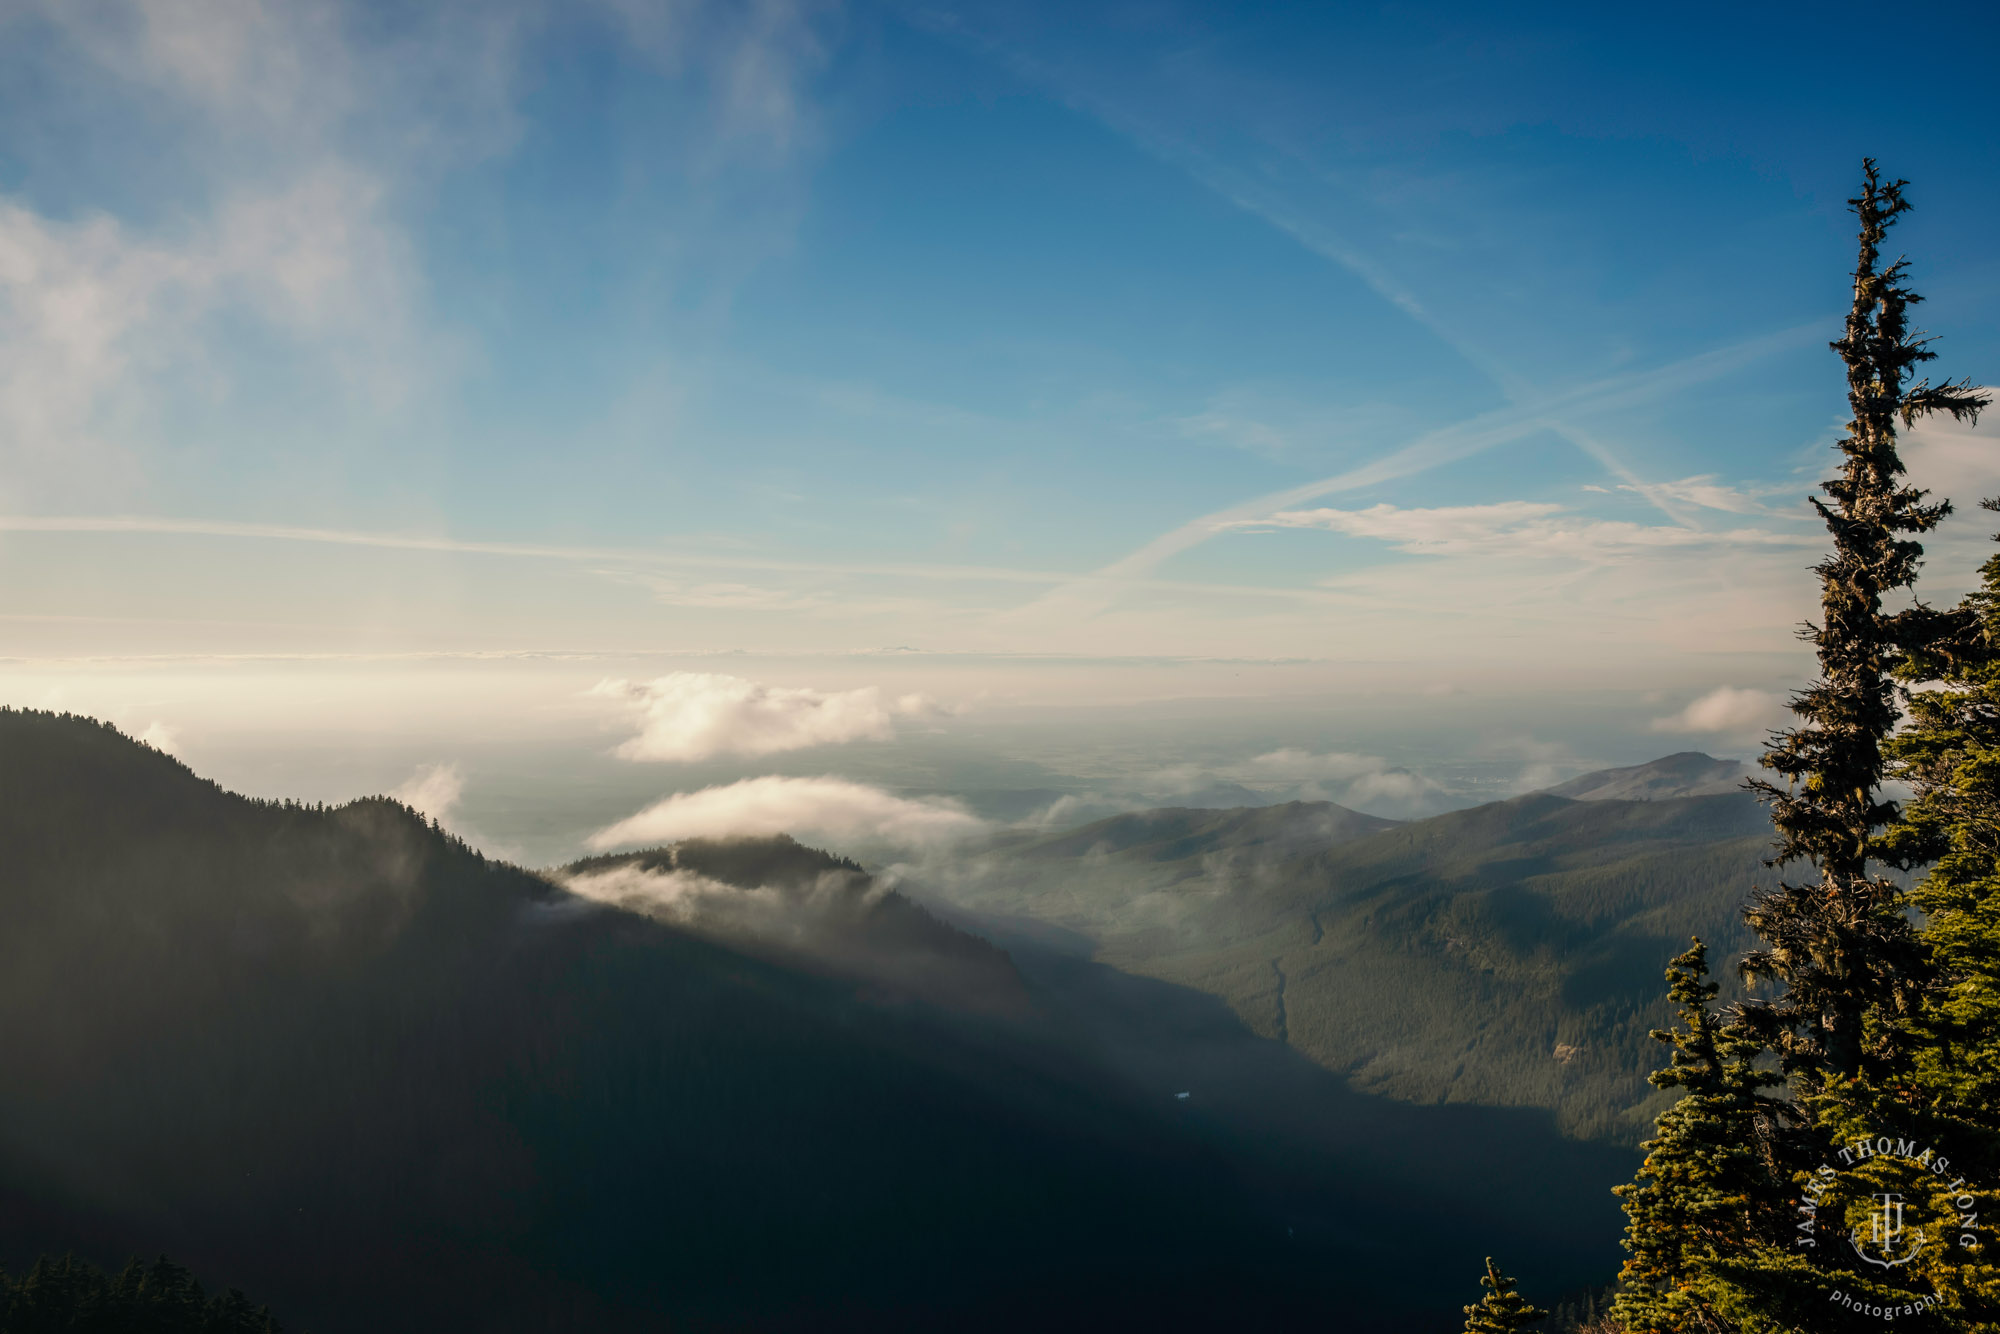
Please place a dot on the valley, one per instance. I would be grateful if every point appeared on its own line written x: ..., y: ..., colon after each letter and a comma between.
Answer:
x: 736, y: 1082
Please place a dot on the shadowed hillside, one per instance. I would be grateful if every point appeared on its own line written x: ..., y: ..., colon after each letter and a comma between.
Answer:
x: 394, y: 1086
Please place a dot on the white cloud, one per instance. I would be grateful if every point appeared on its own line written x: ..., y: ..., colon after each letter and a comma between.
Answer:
x: 834, y: 810
x: 688, y: 716
x: 1362, y: 782
x: 298, y: 134
x: 103, y: 320
x: 160, y: 737
x: 790, y: 915
x: 674, y: 895
x: 433, y: 790
x: 1956, y: 460
x: 1727, y: 709
x: 1515, y: 528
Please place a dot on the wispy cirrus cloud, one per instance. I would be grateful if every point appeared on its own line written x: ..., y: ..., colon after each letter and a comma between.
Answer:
x: 1432, y: 449
x: 688, y: 716
x: 1515, y: 528
x: 1709, y: 493
x: 304, y: 139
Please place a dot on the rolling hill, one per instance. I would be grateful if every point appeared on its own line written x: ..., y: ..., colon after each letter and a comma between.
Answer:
x: 1686, y: 774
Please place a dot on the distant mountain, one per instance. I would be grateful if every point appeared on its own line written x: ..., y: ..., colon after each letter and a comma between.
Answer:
x: 1686, y: 774
x: 1509, y: 954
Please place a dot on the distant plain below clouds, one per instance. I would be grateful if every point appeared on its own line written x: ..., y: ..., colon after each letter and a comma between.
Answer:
x: 689, y: 716
x: 834, y: 811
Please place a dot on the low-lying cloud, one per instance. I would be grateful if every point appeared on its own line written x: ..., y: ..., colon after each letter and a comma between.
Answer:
x: 433, y: 790
x: 161, y: 738
x: 1726, y: 709
x: 689, y: 716
x: 828, y: 810
x: 1364, y: 782
x: 688, y: 898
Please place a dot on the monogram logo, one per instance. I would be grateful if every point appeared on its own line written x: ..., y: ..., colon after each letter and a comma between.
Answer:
x: 1888, y: 1243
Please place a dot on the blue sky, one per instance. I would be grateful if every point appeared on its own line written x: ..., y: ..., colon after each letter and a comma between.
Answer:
x: 1021, y: 356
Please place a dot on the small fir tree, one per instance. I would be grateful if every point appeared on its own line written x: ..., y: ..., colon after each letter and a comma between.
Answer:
x: 1502, y: 1309
x: 1709, y: 1189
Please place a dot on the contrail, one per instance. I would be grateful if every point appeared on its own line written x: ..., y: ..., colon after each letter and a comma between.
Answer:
x: 1445, y: 445
x: 1248, y: 195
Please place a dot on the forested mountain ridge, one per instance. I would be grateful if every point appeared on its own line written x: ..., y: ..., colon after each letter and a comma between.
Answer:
x: 776, y: 899
x: 1177, y: 877
x: 1507, y: 954
x: 392, y: 1085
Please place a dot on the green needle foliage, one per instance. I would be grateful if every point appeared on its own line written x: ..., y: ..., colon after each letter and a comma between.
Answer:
x: 1708, y: 1191
x: 1502, y: 1309
x: 1950, y: 755
x: 67, y: 1296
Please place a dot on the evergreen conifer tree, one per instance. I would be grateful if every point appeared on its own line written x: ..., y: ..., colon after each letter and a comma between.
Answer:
x: 1841, y: 945
x: 1712, y: 1214
x: 1501, y: 1310
x: 1708, y: 1192
x: 1950, y: 755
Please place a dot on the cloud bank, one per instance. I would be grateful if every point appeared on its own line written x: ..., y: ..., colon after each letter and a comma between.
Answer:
x: 830, y: 810
x: 688, y: 716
